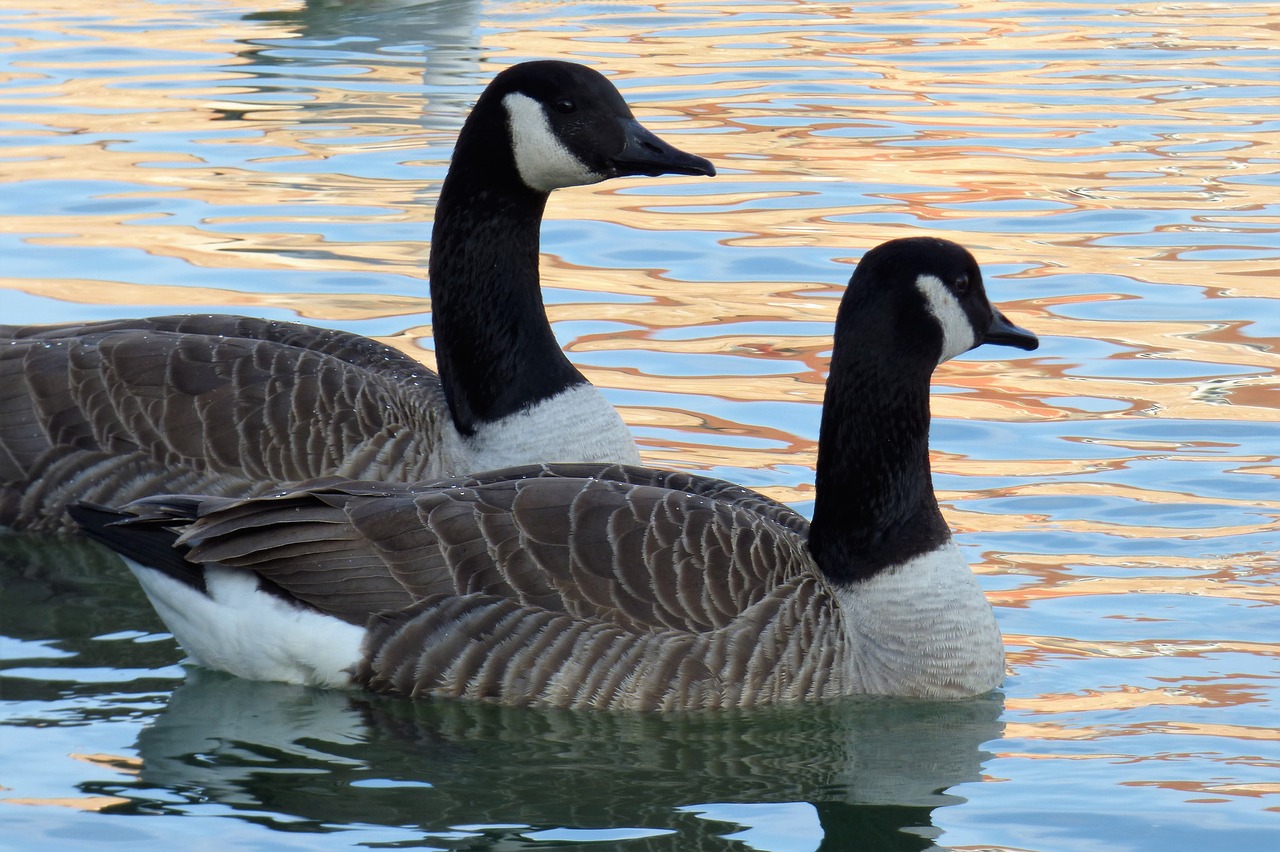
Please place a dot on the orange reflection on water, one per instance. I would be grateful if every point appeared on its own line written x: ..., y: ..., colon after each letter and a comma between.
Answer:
x: 1112, y: 172
x: 79, y: 803
x: 1029, y: 652
x: 1215, y: 789
x: 1052, y: 731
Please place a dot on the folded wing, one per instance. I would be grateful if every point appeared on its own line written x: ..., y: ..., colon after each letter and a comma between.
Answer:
x: 200, y: 404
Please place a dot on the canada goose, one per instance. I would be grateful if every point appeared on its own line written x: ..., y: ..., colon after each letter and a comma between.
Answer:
x: 618, y: 587
x: 229, y: 405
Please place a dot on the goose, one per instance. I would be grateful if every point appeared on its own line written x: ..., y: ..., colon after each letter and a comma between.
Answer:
x: 615, y: 587
x: 230, y: 405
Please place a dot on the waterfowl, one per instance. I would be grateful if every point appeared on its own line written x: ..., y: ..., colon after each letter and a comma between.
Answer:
x: 618, y: 587
x: 231, y: 405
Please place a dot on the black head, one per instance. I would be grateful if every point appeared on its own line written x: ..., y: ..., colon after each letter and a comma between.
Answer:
x: 566, y: 125
x: 937, y: 298
x: 910, y: 305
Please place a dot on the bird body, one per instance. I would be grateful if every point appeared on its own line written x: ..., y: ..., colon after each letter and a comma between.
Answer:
x: 619, y: 587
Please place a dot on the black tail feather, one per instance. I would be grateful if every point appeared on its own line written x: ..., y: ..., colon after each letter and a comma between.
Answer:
x: 148, y: 541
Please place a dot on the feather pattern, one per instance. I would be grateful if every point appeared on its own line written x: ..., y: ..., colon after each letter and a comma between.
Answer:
x: 114, y: 411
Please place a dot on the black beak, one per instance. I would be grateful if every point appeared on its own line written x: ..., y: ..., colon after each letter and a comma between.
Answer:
x: 1005, y: 333
x: 646, y: 154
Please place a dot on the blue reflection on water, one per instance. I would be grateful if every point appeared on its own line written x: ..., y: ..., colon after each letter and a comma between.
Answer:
x: 1168, y: 709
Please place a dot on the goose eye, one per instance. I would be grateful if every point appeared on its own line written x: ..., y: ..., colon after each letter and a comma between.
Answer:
x: 564, y: 106
x: 962, y: 285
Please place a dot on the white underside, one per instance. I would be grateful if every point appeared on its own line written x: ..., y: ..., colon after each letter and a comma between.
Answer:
x: 576, y: 425
x: 239, y: 629
x: 923, y: 629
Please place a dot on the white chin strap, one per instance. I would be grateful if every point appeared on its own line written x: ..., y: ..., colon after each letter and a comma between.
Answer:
x: 957, y: 331
x: 541, y: 158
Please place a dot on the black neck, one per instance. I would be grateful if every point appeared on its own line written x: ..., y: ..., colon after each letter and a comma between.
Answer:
x: 874, y: 505
x: 494, y: 347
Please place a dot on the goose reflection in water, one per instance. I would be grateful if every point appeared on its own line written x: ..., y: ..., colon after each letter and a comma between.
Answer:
x: 307, y: 760
x: 434, y: 43
x: 872, y: 770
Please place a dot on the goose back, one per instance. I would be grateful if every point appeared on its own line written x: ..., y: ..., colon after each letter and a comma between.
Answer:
x: 206, y: 404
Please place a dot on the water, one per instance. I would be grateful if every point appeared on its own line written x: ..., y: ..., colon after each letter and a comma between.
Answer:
x: 1112, y: 167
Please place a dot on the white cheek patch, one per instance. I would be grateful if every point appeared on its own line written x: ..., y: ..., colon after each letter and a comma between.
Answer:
x: 957, y: 331
x: 542, y: 160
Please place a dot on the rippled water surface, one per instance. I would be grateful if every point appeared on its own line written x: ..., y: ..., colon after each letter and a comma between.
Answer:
x: 1112, y: 165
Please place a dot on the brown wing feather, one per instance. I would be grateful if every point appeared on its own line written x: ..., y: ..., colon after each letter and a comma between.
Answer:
x: 107, y: 412
x: 675, y: 480
x: 639, y: 556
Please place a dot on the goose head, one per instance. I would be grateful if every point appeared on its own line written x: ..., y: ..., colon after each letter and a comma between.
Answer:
x: 536, y: 127
x: 910, y: 305
x: 931, y: 292
x: 561, y: 124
